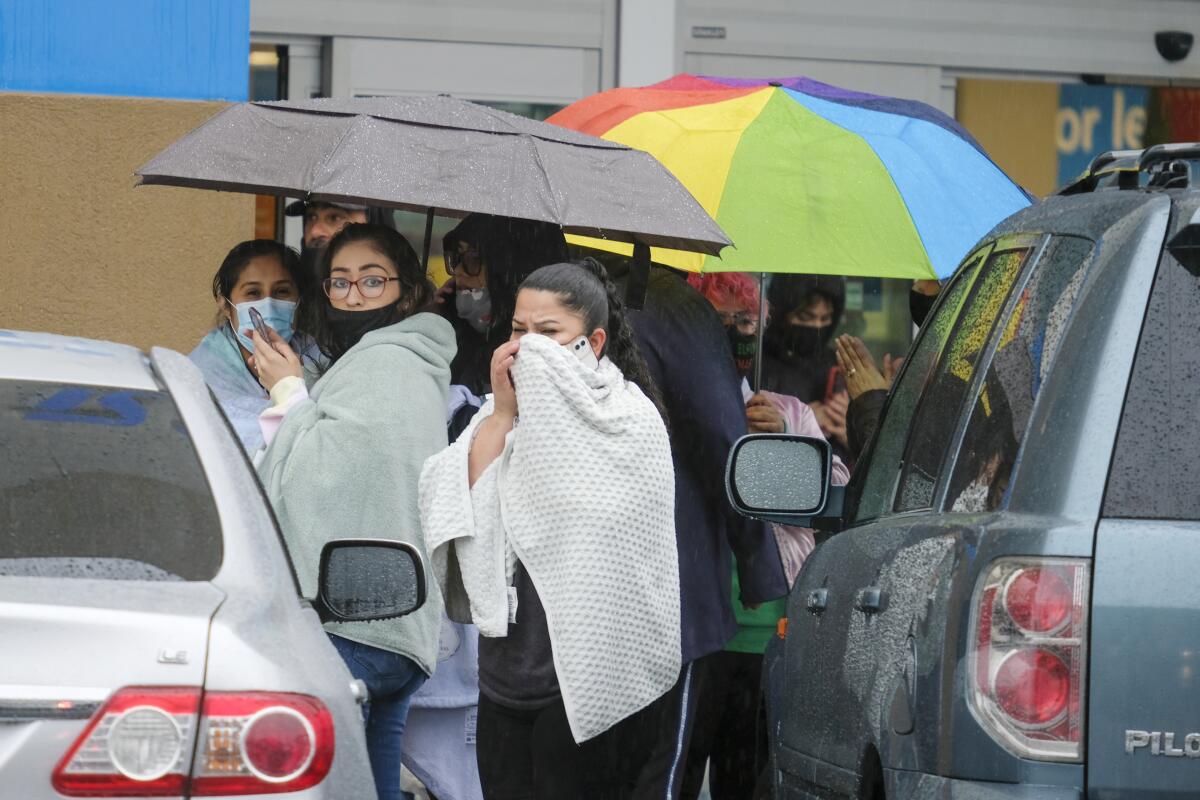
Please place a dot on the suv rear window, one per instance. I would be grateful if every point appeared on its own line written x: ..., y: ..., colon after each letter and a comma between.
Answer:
x: 1156, y: 464
x: 101, y: 483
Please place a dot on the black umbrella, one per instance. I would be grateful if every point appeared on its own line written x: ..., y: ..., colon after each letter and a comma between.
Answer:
x: 439, y: 155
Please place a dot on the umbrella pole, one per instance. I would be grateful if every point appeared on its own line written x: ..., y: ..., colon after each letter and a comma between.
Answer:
x: 428, y: 240
x: 762, y: 324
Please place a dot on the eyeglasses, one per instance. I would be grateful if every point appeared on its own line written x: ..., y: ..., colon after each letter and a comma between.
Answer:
x: 740, y: 320
x: 469, y: 260
x: 369, y: 287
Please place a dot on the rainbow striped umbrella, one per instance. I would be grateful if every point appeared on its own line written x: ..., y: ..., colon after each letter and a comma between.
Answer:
x: 809, y: 178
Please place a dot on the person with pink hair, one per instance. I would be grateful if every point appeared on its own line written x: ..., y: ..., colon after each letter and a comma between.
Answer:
x: 730, y: 733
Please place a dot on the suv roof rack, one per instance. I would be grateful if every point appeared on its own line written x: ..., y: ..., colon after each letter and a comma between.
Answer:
x: 1164, y: 165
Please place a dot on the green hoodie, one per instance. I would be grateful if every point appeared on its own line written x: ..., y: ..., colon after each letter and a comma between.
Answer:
x: 346, y: 461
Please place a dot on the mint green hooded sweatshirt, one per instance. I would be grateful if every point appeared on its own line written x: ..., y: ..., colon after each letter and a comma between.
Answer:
x: 346, y: 461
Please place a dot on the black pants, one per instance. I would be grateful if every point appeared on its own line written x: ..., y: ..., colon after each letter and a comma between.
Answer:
x: 730, y: 736
x: 530, y: 755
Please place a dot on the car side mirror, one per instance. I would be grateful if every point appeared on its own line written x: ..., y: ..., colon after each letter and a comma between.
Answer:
x: 784, y: 478
x: 361, y: 580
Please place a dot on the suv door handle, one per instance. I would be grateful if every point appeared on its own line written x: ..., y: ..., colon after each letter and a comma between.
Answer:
x: 818, y: 601
x: 871, y: 600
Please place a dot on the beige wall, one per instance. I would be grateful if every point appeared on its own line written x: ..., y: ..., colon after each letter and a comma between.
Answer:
x: 84, y: 252
x: 1014, y: 121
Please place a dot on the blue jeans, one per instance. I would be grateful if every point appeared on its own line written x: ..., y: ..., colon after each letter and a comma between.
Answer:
x: 392, y: 680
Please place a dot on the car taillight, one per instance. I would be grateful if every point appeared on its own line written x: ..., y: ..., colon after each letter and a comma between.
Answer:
x: 261, y: 742
x: 1028, y: 655
x: 141, y: 744
x: 138, y: 744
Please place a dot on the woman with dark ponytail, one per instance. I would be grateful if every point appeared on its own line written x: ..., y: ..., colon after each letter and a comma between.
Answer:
x: 550, y: 522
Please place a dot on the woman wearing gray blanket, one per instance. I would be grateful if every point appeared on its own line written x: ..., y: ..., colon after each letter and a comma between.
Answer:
x: 344, y: 458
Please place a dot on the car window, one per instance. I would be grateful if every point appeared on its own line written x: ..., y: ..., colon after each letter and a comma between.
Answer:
x: 101, y: 483
x: 935, y: 420
x: 1156, y: 464
x: 1023, y: 358
x: 875, y: 478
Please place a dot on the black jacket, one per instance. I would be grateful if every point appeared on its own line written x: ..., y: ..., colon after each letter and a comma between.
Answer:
x: 688, y: 355
x: 862, y: 418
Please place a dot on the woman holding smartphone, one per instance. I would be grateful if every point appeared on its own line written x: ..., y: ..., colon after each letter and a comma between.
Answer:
x: 264, y: 277
x: 344, y: 458
x: 551, y: 525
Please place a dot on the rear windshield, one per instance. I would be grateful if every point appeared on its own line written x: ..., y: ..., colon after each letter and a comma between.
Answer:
x: 103, y: 483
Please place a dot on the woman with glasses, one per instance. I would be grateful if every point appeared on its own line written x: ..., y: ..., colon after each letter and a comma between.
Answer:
x: 343, y: 458
x: 265, y: 276
x: 487, y: 258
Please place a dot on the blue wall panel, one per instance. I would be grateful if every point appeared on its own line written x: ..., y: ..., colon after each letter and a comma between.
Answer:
x: 187, y: 49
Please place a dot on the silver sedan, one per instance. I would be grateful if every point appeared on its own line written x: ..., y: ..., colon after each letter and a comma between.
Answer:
x: 153, y: 638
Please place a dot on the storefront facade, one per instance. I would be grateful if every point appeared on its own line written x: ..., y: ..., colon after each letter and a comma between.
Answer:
x: 1012, y: 73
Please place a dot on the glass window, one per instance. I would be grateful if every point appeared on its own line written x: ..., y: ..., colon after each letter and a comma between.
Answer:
x: 935, y: 420
x: 871, y: 489
x: 1021, y: 362
x: 101, y: 483
x: 1156, y: 465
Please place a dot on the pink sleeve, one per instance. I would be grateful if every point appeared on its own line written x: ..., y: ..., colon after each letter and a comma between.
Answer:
x: 796, y: 544
x: 284, y: 396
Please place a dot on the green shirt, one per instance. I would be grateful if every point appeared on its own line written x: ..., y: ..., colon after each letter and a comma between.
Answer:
x: 755, y: 628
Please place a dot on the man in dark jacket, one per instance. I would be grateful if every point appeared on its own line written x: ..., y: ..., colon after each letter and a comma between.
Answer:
x: 687, y: 352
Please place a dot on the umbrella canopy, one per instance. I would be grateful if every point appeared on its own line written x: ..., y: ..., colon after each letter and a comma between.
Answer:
x: 810, y: 178
x: 441, y: 154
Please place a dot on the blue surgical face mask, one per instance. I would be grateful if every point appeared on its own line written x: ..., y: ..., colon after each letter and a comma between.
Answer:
x: 276, y: 313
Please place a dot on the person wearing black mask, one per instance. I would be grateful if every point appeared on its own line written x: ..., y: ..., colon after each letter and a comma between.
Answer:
x: 323, y: 221
x: 347, y: 454
x: 798, y: 359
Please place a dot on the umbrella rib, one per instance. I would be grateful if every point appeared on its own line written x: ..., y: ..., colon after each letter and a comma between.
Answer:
x: 600, y: 144
x: 537, y: 155
x: 337, y: 147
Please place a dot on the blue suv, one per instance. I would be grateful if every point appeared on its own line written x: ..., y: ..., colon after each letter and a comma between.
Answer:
x: 1010, y: 607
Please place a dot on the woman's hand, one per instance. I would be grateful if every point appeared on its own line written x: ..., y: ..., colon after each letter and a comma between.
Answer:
x: 273, y: 361
x: 445, y: 295
x: 859, y: 368
x: 762, y: 416
x: 503, y: 391
x: 831, y: 417
x: 489, y: 439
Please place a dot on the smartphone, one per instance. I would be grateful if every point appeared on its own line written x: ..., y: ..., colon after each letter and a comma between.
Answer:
x: 582, y: 349
x: 260, y: 325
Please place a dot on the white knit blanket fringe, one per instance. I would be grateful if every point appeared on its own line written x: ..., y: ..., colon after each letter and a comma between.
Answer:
x: 584, y: 496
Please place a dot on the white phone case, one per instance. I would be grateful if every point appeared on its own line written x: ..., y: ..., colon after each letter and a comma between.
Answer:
x: 582, y: 349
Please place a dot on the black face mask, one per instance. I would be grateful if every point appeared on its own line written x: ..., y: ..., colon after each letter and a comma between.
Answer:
x: 346, y: 328
x: 744, y: 347
x: 919, y: 305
